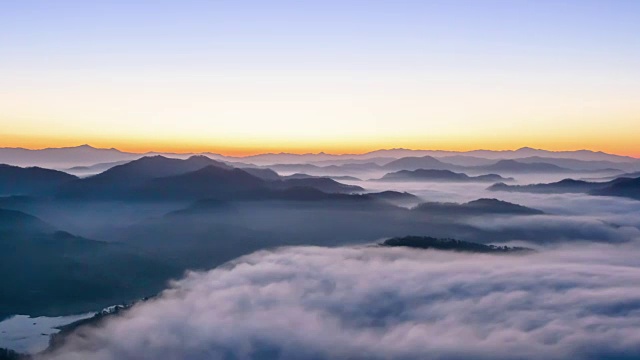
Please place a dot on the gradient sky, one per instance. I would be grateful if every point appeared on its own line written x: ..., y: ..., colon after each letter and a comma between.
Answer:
x: 340, y: 76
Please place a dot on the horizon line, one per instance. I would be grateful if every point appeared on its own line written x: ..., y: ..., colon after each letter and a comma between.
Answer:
x: 258, y: 153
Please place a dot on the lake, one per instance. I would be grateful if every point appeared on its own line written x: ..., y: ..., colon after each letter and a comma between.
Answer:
x: 27, y: 334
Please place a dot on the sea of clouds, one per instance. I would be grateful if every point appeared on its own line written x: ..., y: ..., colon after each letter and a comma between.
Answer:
x: 569, y: 302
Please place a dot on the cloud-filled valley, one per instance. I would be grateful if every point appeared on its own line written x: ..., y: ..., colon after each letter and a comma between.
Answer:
x: 363, y: 302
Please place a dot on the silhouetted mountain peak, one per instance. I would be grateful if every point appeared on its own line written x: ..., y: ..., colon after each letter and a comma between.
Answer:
x: 15, y: 180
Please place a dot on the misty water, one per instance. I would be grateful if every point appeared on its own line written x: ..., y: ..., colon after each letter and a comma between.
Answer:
x: 28, y: 334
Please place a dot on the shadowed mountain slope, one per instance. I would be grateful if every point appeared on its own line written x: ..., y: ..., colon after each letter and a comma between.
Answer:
x: 47, y: 271
x: 16, y: 180
x: 424, y: 162
x: 623, y: 187
x: 476, y: 207
x: 513, y: 166
x: 119, y: 180
x: 559, y: 187
x: 440, y: 176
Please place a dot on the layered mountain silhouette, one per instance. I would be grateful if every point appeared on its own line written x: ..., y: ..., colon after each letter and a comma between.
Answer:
x: 582, y: 165
x: 307, y: 176
x: 83, y: 155
x: 207, y: 182
x: 16, y: 180
x: 427, y: 242
x: 94, y: 169
x: 198, y: 177
x: 476, y: 207
x: 414, y: 163
x: 12, y: 221
x: 394, y: 197
x: 623, y: 187
x: 321, y: 183
x: 440, y: 176
x: 86, y: 155
x: 263, y: 173
x: 121, y: 180
x: 513, y: 166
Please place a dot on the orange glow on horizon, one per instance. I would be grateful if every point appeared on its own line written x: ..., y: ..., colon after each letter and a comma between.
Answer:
x: 358, y: 146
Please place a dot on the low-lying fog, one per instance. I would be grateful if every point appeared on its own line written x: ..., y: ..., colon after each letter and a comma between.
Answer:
x: 372, y: 303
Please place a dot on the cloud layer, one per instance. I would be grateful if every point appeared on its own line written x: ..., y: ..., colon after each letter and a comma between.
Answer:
x: 320, y: 303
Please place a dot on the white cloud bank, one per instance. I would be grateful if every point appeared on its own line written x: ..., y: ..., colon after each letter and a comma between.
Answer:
x: 370, y: 303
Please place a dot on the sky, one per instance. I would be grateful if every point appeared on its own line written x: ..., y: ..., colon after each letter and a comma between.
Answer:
x: 242, y: 77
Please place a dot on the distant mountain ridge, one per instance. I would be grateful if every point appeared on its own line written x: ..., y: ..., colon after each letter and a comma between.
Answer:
x: 86, y: 155
x: 622, y: 187
x: 440, y: 176
x: 476, y: 207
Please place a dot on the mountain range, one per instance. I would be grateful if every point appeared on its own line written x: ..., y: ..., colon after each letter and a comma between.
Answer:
x: 85, y: 155
x: 439, y: 176
x: 622, y: 187
x: 476, y: 207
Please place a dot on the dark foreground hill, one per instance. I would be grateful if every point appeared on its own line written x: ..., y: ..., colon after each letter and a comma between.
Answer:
x: 427, y: 242
x: 48, y: 271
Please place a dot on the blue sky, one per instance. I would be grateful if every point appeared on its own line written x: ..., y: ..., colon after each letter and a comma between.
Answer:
x: 78, y: 65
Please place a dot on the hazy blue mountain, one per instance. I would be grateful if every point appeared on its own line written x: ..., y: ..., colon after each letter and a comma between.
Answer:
x: 353, y: 167
x: 466, y: 160
x: 284, y: 158
x: 262, y: 173
x: 298, y: 168
x: 51, y: 272
x: 208, y: 182
x: 414, y: 163
x: 324, y: 184
x: 559, y: 187
x: 16, y: 180
x: 14, y: 221
x: 513, y: 166
x: 439, y: 176
x: 120, y: 180
x: 582, y: 165
x: 476, y: 207
x: 66, y: 157
x: 327, y: 170
x: 624, y: 187
x: 307, y: 176
x: 427, y: 242
x: 94, y: 169
x: 395, y: 197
